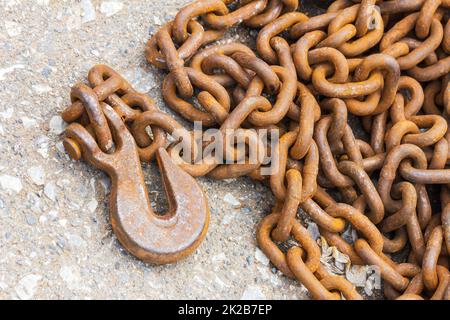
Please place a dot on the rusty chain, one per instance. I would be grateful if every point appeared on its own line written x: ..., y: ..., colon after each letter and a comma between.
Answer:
x: 384, y: 64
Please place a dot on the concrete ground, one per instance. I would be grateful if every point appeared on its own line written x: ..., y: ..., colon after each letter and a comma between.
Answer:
x: 55, y: 238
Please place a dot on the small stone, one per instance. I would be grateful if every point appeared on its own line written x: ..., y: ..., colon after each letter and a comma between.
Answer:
x: 53, y: 214
x: 199, y: 281
x: 5, y: 71
x: 246, y: 210
x: 7, y: 114
x: 253, y: 293
x: 35, y: 201
x: 50, y: 190
x: 275, y: 280
x: 31, y: 220
x: 27, y: 286
x: 153, y: 280
x: 46, y: 72
x: 261, y: 257
x: 92, y: 205
x: 219, y: 258
x: 28, y: 122
x: 3, y: 286
x: 229, y: 198
x: 8, y: 182
x: 75, y: 240
x: 70, y: 275
x: 253, y: 33
x: 37, y: 175
x: 23, y: 262
x: 61, y: 243
x: 41, y: 88
x: 219, y: 283
x: 13, y: 29
x: 43, y: 152
x: 57, y: 125
x: 42, y: 142
x: 88, y: 13
x: 264, y: 273
x: 227, y: 219
x: 109, y: 8
x: 156, y: 20
x: 75, y: 222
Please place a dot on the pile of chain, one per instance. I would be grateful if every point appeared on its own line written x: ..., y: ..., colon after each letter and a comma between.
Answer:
x: 382, y: 64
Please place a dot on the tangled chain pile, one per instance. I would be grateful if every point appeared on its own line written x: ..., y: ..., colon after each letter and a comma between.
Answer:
x: 383, y: 63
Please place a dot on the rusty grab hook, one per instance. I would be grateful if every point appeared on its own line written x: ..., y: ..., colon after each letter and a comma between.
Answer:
x: 153, y: 238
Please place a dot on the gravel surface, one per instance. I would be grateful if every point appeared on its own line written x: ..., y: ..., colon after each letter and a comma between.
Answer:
x: 55, y: 237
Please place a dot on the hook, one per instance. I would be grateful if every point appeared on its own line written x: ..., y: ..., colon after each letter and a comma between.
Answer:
x: 151, y: 237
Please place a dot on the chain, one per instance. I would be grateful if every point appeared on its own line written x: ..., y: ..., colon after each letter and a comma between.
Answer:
x: 384, y: 64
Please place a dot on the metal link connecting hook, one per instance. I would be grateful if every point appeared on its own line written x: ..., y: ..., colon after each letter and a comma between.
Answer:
x: 153, y: 238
